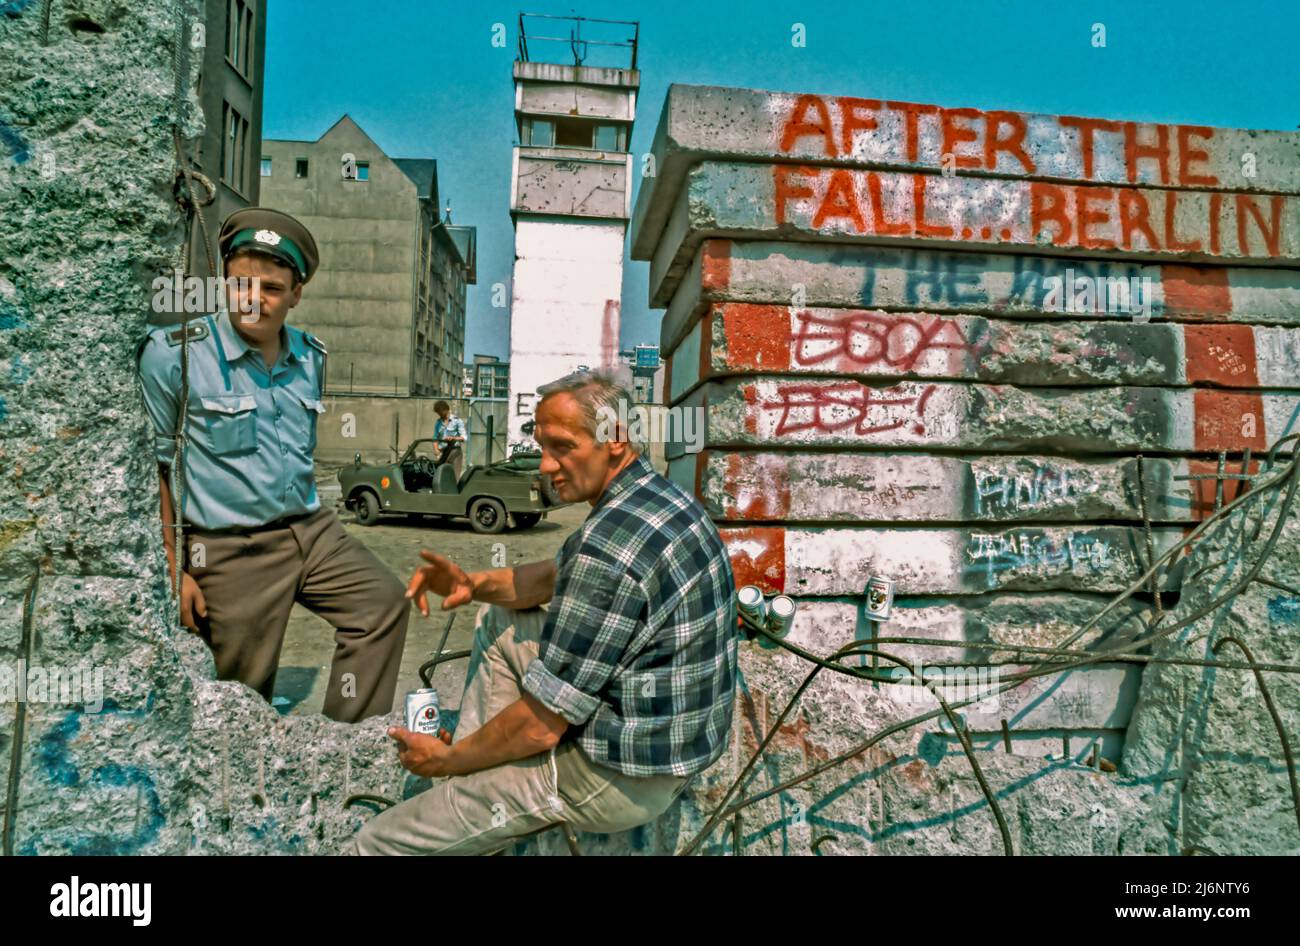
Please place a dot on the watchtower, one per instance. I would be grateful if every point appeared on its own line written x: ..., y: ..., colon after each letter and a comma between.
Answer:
x: 570, y: 199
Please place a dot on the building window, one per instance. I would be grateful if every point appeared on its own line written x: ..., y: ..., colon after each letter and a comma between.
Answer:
x: 240, y: 36
x: 266, y: 166
x: 363, y: 170
x: 234, y: 144
x: 300, y: 167
x: 538, y: 132
x: 573, y: 133
x: 609, y: 138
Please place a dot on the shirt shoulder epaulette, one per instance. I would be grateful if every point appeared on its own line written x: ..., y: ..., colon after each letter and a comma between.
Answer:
x: 172, y: 335
x: 197, y: 331
x: 317, y: 344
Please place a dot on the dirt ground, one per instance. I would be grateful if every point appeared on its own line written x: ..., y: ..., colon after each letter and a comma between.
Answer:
x: 309, y: 641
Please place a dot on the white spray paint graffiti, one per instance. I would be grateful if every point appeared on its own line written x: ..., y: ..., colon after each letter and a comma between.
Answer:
x: 1035, y: 552
x: 1026, y: 491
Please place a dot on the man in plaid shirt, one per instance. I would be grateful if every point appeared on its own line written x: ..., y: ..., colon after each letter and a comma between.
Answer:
x: 596, y: 711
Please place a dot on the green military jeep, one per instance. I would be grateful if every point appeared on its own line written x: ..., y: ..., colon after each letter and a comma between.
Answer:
x: 416, y: 485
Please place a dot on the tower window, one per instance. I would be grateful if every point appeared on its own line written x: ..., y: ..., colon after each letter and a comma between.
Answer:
x: 609, y: 138
x: 538, y: 132
x: 573, y: 133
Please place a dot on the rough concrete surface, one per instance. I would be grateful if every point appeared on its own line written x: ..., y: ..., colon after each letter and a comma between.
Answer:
x: 175, y: 762
x: 885, y: 381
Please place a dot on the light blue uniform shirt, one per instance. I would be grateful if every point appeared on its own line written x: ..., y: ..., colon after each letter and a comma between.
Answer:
x: 251, y: 429
x: 454, y: 427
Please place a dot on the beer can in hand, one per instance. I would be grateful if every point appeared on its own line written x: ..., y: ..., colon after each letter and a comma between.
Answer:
x: 422, y: 711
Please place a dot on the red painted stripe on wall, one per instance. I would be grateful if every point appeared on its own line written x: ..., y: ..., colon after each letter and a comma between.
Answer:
x: 1221, y: 354
x: 757, y: 556
x: 750, y: 392
x: 1196, y: 291
x: 1228, y: 420
x: 757, y: 336
x: 716, y: 266
x: 757, y: 486
x: 1203, y: 491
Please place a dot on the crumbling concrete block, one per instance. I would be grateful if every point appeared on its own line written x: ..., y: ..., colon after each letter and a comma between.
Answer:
x: 804, y: 412
x: 741, y: 338
x: 124, y: 742
x: 708, y: 123
x: 936, y: 378
x: 1008, y: 286
x: 888, y: 487
x: 765, y: 202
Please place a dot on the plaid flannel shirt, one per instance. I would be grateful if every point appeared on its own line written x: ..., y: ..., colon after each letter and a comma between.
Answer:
x: 639, y: 649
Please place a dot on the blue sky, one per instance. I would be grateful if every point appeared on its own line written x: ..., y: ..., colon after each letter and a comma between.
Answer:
x: 423, y: 79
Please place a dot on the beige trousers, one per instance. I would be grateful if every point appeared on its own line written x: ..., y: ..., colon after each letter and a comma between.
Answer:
x: 483, y: 811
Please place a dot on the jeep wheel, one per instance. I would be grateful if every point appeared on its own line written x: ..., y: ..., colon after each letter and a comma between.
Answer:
x: 367, y: 509
x: 526, y: 520
x: 487, y: 516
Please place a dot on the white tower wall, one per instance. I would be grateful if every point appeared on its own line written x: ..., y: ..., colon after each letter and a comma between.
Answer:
x: 564, y: 312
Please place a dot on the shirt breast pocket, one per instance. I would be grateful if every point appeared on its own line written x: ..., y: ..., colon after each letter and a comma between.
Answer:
x: 230, y: 421
x: 314, y: 409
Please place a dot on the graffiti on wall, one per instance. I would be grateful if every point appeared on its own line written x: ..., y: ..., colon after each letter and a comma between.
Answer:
x: 865, y: 340
x: 1035, y: 552
x: 848, y: 407
x: 1012, y: 144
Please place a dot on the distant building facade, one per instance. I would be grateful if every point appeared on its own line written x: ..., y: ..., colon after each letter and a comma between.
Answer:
x: 488, y: 376
x: 230, y: 95
x: 389, y: 298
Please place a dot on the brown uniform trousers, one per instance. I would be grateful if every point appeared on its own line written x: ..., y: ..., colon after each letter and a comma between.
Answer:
x: 250, y: 580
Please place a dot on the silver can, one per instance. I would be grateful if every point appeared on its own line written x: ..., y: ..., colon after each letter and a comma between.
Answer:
x: 750, y: 604
x: 423, y: 714
x: 880, y: 598
x: 780, y: 615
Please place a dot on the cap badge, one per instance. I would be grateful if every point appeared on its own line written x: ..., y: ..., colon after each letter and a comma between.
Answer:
x: 267, y: 236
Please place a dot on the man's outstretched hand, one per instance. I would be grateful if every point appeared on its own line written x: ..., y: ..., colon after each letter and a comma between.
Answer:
x: 443, y: 577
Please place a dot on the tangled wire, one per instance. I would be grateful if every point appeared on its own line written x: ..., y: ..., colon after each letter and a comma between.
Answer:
x: 1056, y: 660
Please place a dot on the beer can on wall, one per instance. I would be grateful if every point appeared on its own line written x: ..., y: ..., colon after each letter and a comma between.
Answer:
x: 750, y: 604
x: 880, y: 598
x: 422, y: 711
x: 780, y: 615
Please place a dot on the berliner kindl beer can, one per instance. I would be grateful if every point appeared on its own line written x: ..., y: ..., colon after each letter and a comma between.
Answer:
x: 880, y: 597
x: 422, y: 711
x: 780, y: 615
x: 750, y: 604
